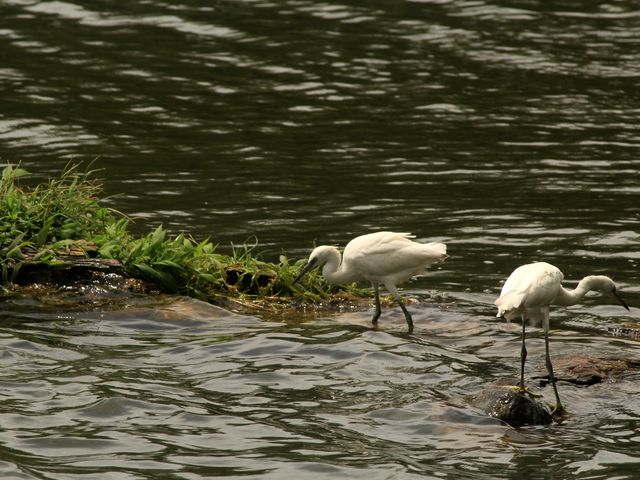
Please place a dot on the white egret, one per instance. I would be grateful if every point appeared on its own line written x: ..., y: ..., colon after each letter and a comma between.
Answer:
x: 529, y: 291
x: 384, y: 257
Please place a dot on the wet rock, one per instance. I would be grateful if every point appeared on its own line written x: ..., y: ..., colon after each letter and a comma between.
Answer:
x: 582, y: 369
x: 66, y: 271
x: 74, y: 282
x: 502, y: 401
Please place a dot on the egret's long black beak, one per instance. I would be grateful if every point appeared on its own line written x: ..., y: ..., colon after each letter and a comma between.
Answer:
x: 309, y: 266
x: 620, y: 300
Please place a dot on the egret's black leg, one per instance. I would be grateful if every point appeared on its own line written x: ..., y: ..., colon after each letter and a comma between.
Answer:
x: 559, y: 408
x: 407, y: 315
x: 378, y: 310
x: 394, y: 291
x: 523, y: 353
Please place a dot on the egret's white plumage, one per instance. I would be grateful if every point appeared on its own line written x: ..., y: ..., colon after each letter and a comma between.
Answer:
x: 386, y: 258
x: 532, y: 288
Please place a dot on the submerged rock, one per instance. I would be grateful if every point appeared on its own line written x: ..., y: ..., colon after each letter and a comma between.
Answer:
x: 582, y: 369
x: 501, y: 400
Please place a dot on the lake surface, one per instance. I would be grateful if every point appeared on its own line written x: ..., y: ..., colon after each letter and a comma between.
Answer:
x: 508, y: 130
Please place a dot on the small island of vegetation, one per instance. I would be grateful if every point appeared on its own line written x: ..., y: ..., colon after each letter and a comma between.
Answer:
x: 63, y: 223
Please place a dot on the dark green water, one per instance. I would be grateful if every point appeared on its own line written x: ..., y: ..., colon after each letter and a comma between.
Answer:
x: 508, y: 130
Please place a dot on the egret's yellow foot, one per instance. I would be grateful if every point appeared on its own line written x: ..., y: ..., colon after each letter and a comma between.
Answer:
x: 559, y: 411
x: 521, y: 389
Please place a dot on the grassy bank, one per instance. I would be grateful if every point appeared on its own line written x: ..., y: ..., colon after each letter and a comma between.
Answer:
x: 45, y: 223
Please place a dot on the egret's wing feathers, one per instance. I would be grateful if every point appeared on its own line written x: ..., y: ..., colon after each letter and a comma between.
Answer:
x: 391, y: 255
x: 529, y: 287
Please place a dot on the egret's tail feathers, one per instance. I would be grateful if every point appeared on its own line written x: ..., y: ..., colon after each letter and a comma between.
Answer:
x: 422, y: 256
x: 436, y: 250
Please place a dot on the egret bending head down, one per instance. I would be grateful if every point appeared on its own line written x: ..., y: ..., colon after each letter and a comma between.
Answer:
x: 384, y: 257
x: 529, y: 291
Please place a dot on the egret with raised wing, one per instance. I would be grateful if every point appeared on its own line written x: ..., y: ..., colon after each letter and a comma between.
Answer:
x: 386, y: 258
x: 529, y: 291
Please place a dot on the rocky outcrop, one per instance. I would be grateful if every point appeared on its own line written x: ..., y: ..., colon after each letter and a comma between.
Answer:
x: 506, y: 402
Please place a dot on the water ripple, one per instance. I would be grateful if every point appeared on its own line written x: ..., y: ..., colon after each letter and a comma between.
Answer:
x: 506, y: 129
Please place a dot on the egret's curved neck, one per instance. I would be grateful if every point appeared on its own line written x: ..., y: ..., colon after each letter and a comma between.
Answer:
x: 571, y: 297
x: 333, y: 270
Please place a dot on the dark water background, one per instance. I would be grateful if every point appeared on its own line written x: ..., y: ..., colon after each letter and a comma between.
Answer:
x: 509, y: 130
